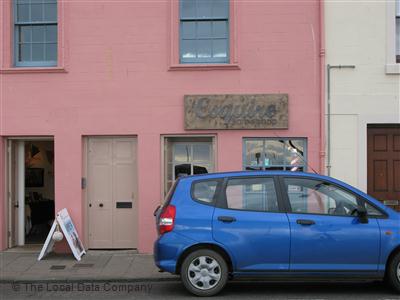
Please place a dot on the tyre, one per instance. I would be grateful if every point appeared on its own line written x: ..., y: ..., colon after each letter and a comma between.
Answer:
x: 393, y: 272
x: 204, y: 272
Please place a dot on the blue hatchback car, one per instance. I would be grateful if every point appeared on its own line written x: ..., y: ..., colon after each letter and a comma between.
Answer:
x: 279, y: 224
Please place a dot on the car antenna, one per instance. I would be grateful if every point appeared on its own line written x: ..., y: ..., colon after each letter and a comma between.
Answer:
x: 298, y: 155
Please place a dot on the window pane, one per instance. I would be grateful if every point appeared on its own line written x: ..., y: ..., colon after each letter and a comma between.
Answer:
x: 257, y: 194
x: 204, y: 29
x: 38, y: 34
x: 38, y: 52
x: 254, y: 151
x: 313, y: 196
x: 372, y: 211
x: 204, y: 9
x: 221, y: 9
x: 204, y: 48
x: 51, y: 52
x: 220, y: 29
x: 220, y: 48
x: 182, y: 152
x: 188, y: 30
x: 274, y: 152
x: 189, y: 49
x: 24, y: 52
x: 25, y: 34
x: 205, y: 190
x: 188, y: 9
x: 294, y: 153
x: 37, y: 12
x: 51, y: 33
x: 201, y: 152
x: 23, y: 13
x: 50, y: 12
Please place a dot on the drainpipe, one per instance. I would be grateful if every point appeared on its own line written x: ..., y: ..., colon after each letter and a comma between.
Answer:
x: 328, y: 69
x: 21, y: 192
x: 322, y: 85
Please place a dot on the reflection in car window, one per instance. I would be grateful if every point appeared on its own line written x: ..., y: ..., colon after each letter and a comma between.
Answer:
x: 205, y: 190
x: 257, y: 194
x: 318, y: 197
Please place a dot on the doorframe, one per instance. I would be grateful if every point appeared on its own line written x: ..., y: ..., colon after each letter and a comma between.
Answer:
x: 85, y: 161
x: 8, y: 190
x: 163, y: 138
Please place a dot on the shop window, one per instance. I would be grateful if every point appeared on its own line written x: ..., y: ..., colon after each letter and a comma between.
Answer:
x: 204, y: 31
x: 35, y: 33
x: 187, y: 156
x: 275, y: 154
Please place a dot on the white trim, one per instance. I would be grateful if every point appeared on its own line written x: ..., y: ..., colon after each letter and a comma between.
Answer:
x: 363, y: 121
x: 21, y: 192
x: 391, y: 66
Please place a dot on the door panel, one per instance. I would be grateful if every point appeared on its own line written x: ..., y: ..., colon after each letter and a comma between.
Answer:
x: 249, y: 224
x: 384, y: 165
x: 333, y: 243
x: 112, y: 180
x: 100, y: 193
x: 325, y: 233
x: 124, y: 188
x: 259, y: 241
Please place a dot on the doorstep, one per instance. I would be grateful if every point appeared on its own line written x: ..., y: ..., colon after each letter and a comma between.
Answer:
x: 116, y: 265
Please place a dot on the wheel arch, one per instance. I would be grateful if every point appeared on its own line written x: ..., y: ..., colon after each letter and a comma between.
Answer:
x: 220, y: 250
x: 390, y: 257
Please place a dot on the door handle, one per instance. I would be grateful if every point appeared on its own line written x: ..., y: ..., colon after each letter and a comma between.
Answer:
x: 101, y: 204
x: 226, y: 219
x: 305, y: 222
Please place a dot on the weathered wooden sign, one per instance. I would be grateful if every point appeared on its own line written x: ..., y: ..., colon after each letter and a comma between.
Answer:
x: 257, y: 111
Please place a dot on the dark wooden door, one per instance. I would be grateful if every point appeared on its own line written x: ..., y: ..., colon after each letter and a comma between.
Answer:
x: 384, y: 164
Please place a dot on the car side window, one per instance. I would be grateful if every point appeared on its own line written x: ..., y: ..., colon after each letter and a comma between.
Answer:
x: 204, y: 191
x: 253, y: 194
x: 319, y: 197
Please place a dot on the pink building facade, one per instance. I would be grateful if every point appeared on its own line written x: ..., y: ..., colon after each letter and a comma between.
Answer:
x: 92, y: 108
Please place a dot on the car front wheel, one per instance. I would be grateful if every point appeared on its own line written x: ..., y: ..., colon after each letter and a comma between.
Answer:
x: 204, y: 272
x: 393, y: 272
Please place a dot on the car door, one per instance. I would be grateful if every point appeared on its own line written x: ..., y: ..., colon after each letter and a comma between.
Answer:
x: 326, y: 234
x: 251, y: 223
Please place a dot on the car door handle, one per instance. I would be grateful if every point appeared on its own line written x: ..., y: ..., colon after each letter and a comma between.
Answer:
x: 305, y: 222
x: 226, y: 219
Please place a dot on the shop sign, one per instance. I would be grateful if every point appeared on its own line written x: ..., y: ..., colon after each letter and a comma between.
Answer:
x: 255, y: 111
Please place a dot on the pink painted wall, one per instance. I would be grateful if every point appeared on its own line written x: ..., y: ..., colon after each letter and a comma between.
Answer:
x: 116, y: 57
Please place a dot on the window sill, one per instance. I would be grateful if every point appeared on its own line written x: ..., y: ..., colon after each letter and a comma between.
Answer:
x: 29, y: 70
x: 393, y: 69
x: 203, y: 67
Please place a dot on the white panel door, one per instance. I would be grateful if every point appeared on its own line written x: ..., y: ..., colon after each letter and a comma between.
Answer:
x: 111, y: 185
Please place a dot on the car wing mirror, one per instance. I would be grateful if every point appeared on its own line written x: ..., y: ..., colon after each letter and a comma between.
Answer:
x: 362, y: 215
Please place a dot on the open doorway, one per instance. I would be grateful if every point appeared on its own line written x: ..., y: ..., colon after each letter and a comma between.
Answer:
x: 31, y: 190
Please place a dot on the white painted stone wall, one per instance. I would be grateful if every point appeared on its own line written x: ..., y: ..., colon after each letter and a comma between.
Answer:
x: 356, y: 34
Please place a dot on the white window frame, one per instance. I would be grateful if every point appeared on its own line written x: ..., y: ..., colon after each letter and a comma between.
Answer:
x: 391, y: 66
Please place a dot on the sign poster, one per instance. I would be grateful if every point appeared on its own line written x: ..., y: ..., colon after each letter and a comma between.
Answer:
x: 71, y: 235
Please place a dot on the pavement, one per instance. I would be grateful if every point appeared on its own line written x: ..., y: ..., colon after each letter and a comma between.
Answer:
x: 123, y: 265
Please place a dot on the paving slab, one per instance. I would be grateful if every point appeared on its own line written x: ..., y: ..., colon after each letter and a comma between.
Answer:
x: 95, y: 265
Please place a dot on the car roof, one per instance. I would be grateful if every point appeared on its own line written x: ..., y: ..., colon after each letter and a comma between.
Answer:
x: 257, y: 173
